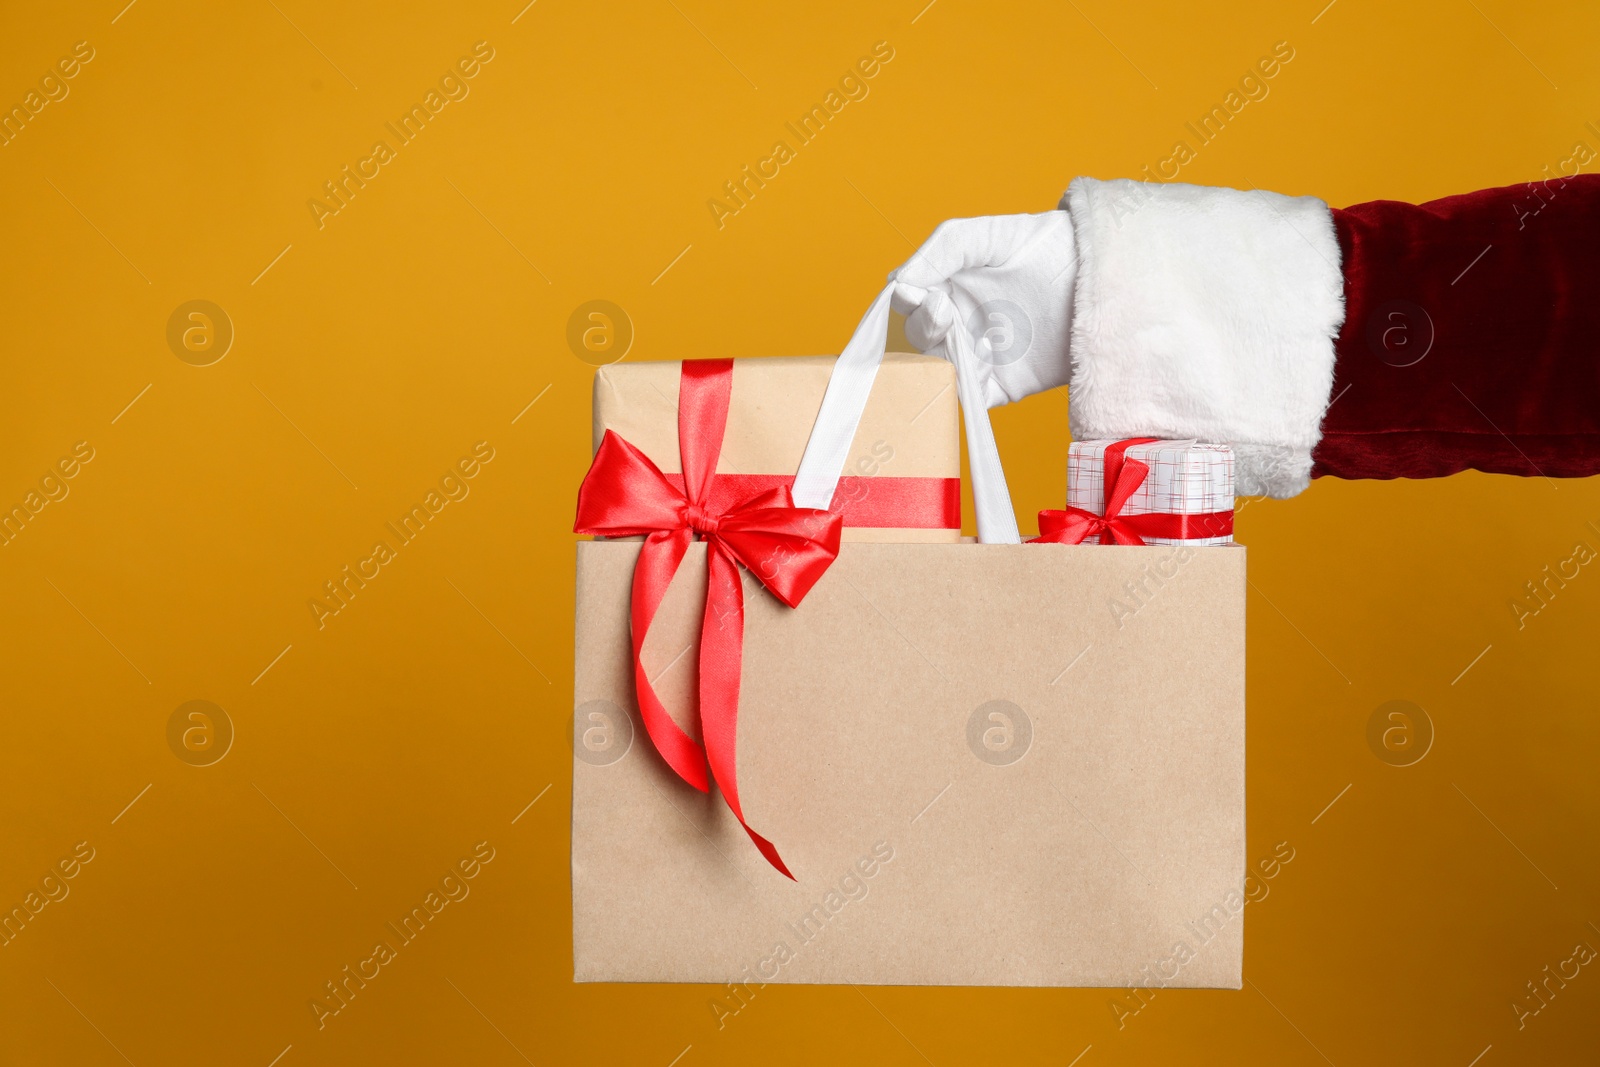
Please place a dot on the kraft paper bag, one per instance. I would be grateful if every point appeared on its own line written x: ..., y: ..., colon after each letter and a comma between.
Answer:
x: 909, y: 435
x: 985, y: 765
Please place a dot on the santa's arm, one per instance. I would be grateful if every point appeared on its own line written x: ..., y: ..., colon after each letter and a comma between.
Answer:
x: 1471, y: 338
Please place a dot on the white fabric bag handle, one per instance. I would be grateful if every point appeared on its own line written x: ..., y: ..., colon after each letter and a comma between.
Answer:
x: 846, y: 399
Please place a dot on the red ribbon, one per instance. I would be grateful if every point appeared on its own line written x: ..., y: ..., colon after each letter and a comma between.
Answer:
x: 880, y: 500
x: 1122, y: 477
x: 785, y: 547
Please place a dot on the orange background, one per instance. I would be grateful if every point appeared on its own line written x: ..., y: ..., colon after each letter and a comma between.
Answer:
x: 369, y: 355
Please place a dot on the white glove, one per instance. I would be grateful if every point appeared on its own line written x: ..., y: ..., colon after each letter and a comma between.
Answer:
x: 994, y: 297
x: 1006, y: 281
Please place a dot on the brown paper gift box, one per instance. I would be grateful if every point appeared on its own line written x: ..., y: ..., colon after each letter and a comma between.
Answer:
x: 978, y: 773
x: 910, y: 429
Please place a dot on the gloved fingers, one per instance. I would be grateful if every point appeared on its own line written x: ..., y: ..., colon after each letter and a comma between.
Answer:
x: 1003, y: 282
x: 943, y: 254
x: 930, y: 322
x: 958, y: 245
x: 906, y: 299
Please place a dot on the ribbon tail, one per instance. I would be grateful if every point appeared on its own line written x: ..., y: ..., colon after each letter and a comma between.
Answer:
x: 659, y: 558
x: 766, y: 848
x: 1121, y: 486
x: 1070, y: 527
x: 1120, y: 532
x: 1123, y: 477
x: 721, y: 655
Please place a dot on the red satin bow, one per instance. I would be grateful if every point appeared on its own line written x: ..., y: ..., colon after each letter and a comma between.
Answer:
x: 1123, y: 476
x: 785, y: 547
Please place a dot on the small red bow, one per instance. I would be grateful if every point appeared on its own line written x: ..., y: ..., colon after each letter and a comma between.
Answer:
x: 785, y: 547
x: 1123, y: 476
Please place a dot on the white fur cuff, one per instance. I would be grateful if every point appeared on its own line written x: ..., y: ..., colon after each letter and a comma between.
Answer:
x: 1205, y: 313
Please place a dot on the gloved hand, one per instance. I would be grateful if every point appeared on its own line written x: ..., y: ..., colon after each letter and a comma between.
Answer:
x: 994, y: 297
x: 1006, y: 281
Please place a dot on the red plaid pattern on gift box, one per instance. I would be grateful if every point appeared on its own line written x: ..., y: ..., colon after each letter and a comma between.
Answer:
x: 1186, y: 478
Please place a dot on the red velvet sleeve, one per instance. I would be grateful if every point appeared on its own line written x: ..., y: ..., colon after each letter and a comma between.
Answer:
x: 1471, y: 338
